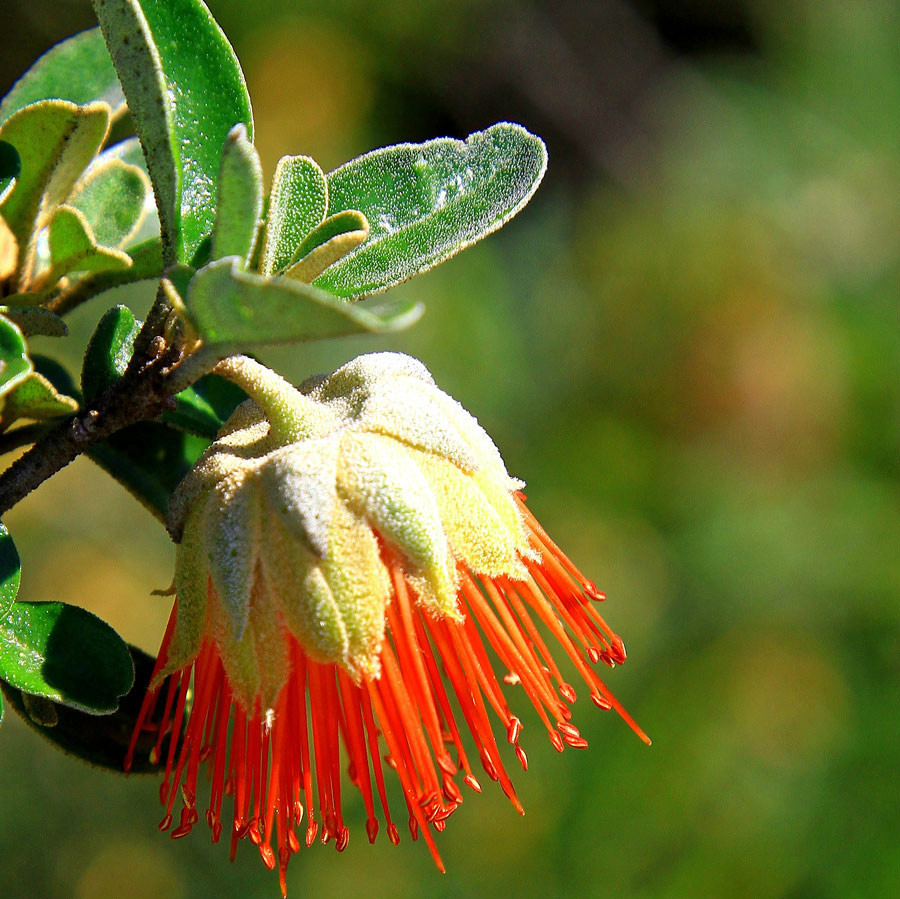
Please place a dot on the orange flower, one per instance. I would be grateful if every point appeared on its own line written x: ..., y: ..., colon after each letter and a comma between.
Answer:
x: 395, y: 657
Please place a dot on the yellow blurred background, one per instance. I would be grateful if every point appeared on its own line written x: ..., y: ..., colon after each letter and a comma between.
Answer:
x: 687, y: 345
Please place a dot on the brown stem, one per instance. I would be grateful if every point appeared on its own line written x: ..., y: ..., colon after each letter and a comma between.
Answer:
x: 139, y: 395
x: 21, y: 436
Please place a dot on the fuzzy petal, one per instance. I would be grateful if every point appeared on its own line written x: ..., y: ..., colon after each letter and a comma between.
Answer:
x: 299, y: 483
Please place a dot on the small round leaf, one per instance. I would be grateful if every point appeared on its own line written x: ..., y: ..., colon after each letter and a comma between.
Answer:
x: 65, y: 654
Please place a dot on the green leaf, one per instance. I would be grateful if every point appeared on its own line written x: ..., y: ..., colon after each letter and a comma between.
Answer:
x: 108, y: 351
x: 111, y: 198
x: 15, y: 365
x: 35, y: 398
x: 73, y: 246
x: 204, y: 407
x: 100, y: 740
x: 240, y: 198
x: 64, y: 654
x: 185, y: 90
x: 236, y: 309
x: 55, y: 140
x: 10, y: 166
x: 78, y: 69
x: 150, y: 460
x: 333, y: 239
x: 298, y: 202
x: 146, y: 264
x: 33, y: 320
x: 426, y: 202
x: 10, y: 572
x: 129, y: 151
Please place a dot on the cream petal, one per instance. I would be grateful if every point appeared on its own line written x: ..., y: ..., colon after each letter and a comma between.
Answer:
x: 361, y: 588
x: 480, y: 444
x: 363, y: 374
x: 477, y: 532
x: 233, y: 537
x: 235, y: 451
x: 300, y: 590
x: 379, y: 480
x: 299, y: 483
x: 191, y: 587
x: 404, y: 408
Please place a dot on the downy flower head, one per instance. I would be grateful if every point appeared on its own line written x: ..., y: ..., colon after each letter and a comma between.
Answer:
x: 347, y: 554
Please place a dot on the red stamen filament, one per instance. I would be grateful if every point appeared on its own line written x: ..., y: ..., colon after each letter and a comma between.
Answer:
x: 262, y: 758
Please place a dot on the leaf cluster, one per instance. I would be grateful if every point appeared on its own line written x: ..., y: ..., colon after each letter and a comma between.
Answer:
x: 126, y: 154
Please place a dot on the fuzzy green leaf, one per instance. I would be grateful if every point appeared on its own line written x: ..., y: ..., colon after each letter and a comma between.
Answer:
x: 35, y: 398
x: 426, y: 202
x: 333, y: 239
x: 331, y: 227
x: 146, y: 264
x: 111, y: 198
x: 64, y: 654
x: 205, y: 406
x: 236, y: 309
x: 100, y: 740
x: 108, y: 351
x: 73, y: 246
x: 129, y: 151
x: 298, y: 202
x: 186, y: 91
x: 78, y: 69
x: 240, y: 198
x: 10, y: 572
x: 34, y: 320
x: 15, y: 365
x: 55, y: 140
x: 150, y: 460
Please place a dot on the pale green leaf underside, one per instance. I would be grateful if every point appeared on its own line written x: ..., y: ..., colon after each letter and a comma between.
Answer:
x: 297, y: 203
x: 236, y: 309
x: 146, y: 264
x: 77, y: 69
x: 55, y: 140
x: 129, y: 151
x: 35, y: 320
x: 333, y: 239
x: 426, y: 202
x: 111, y: 198
x: 240, y: 197
x: 185, y: 91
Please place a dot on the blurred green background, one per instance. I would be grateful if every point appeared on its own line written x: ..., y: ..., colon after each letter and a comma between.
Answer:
x: 687, y: 345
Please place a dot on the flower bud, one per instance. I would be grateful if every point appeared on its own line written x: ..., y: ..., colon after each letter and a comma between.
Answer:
x: 344, y: 552
x: 298, y: 530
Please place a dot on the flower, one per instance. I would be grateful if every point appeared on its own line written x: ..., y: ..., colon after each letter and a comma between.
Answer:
x: 348, y: 552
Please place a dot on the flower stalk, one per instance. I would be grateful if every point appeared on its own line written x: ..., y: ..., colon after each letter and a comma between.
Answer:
x: 288, y: 411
